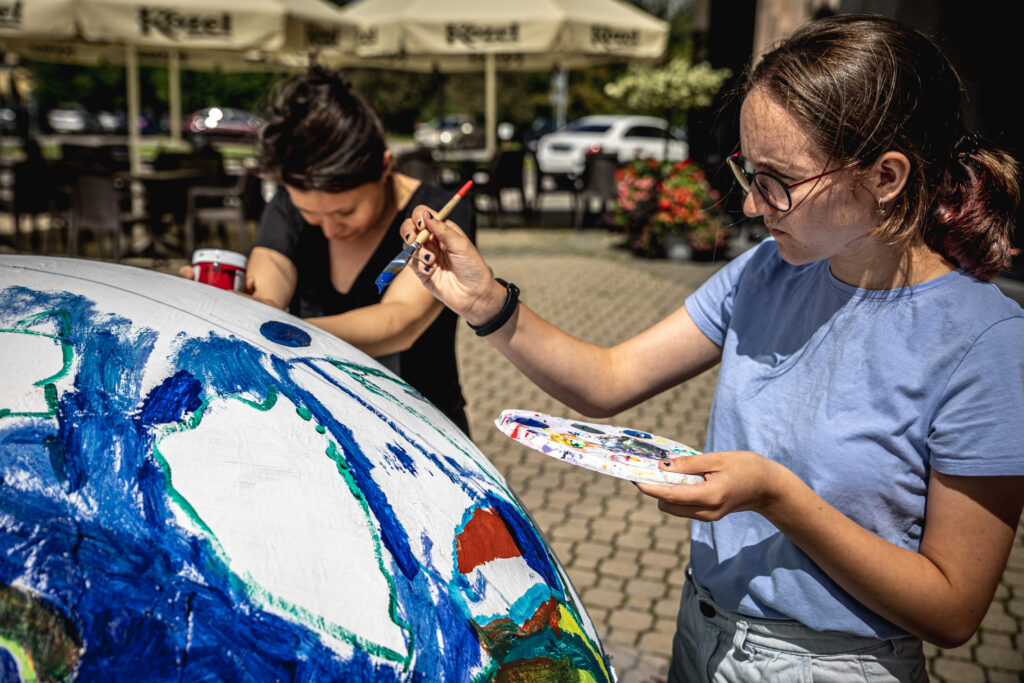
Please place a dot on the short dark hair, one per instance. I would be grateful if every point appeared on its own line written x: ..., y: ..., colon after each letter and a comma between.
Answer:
x: 862, y: 85
x: 320, y: 135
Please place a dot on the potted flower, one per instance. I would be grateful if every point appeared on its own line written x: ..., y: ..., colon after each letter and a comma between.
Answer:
x: 636, y: 194
x: 663, y: 205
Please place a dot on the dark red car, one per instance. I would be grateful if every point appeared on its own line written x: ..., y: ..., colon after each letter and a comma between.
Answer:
x: 223, y: 123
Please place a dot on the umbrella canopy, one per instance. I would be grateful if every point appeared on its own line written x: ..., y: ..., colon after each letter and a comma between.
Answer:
x: 31, y: 18
x: 469, y: 35
x: 230, y: 34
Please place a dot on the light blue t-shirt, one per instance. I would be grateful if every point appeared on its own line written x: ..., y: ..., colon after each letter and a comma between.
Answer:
x: 860, y: 393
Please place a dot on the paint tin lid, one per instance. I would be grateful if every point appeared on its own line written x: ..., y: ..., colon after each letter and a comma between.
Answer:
x: 228, y: 258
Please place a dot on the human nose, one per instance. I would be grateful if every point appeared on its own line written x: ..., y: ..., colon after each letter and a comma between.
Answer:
x: 753, y: 204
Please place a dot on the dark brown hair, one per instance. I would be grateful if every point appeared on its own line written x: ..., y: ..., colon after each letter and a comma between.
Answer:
x: 321, y: 136
x: 863, y: 85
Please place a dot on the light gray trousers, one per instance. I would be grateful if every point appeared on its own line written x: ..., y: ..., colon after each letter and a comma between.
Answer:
x: 713, y: 645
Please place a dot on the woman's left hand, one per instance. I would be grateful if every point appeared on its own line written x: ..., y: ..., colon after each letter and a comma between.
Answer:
x: 734, y: 481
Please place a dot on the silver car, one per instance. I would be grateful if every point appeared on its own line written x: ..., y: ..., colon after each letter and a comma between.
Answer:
x: 564, y: 152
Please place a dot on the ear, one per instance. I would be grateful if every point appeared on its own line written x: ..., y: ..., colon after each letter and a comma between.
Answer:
x: 889, y: 175
x: 389, y: 163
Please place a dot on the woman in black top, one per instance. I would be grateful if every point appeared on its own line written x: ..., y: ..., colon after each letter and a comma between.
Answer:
x: 334, y: 225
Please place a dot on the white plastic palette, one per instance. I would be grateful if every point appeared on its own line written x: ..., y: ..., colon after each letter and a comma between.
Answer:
x: 617, y: 451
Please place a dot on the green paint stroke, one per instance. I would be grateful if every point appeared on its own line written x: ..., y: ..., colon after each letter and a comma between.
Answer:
x: 23, y: 326
x: 45, y: 644
x: 247, y: 585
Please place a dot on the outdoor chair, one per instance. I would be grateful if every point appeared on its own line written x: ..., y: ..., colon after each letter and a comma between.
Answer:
x: 419, y: 164
x: 30, y: 190
x: 546, y: 184
x: 97, y: 206
x: 596, y: 183
x: 167, y: 198
x: 505, y: 172
x: 220, y: 205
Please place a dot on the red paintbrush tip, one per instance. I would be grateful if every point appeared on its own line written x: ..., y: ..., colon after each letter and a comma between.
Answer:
x: 465, y: 188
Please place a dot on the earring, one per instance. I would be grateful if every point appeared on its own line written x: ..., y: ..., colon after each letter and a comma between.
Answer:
x: 881, y: 209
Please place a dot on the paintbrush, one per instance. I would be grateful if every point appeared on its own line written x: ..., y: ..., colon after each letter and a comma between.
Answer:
x: 397, y: 263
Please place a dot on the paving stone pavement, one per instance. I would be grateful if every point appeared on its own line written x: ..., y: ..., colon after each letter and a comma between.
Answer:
x: 625, y: 558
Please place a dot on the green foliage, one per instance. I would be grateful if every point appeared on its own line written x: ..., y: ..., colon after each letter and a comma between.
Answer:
x: 104, y: 88
x: 679, y: 84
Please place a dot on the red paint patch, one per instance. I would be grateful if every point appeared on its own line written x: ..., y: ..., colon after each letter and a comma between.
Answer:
x: 484, y: 538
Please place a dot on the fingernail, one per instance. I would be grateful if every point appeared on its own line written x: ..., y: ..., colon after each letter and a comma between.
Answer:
x: 407, y: 236
x: 426, y: 269
x: 419, y: 223
x: 426, y: 257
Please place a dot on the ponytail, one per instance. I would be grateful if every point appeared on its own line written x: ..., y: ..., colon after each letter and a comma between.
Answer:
x: 973, y: 210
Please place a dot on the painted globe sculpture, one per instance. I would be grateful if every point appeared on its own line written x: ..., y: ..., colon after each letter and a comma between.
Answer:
x: 195, y: 486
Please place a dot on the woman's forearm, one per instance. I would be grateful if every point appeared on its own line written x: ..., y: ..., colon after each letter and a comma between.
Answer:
x: 939, y: 594
x: 379, y: 329
x: 577, y: 373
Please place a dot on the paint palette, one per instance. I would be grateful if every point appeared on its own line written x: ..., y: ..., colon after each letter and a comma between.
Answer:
x: 618, y: 451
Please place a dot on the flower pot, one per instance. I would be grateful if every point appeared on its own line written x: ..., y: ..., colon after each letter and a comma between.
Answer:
x: 677, y: 248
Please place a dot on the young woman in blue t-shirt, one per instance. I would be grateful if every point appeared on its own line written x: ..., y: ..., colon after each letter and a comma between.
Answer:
x: 864, y: 473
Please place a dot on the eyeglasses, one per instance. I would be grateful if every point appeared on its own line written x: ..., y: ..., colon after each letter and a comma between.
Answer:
x: 774, y: 191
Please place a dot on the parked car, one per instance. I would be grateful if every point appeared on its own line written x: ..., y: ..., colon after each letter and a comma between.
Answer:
x: 222, y: 123
x: 564, y: 152
x: 456, y: 131
x: 112, y: 121
x: 70, y: 118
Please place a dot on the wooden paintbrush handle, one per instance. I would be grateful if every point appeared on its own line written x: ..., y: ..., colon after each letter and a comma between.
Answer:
x: 424, y: 234
x: 422, y: 237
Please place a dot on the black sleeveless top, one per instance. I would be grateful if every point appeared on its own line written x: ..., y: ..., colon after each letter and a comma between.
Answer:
x: 429, y: 364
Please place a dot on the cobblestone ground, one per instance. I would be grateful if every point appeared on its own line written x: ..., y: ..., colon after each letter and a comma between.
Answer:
x: 624, y: 557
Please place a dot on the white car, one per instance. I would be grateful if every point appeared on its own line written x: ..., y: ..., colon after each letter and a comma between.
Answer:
x: 564, y: 152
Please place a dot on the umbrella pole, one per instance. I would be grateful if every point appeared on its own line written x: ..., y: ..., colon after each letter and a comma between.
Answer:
x: 490, y: 104
x: 131, y: 60
x: 174, y: 86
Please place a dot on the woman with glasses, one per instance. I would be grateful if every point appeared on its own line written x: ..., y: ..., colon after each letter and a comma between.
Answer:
x: 864, y: 473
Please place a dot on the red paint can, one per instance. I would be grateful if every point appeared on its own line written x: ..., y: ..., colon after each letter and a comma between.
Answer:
x: 220, y: 268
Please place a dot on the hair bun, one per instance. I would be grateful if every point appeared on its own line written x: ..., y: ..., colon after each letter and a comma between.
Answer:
x: 968, y: 145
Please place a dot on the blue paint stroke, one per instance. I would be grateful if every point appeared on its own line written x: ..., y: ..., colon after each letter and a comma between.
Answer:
x: 176, y: 397
x: 285, y: 334
x: 403, y: 458
x: 636, y: 433
x: 530, y: 422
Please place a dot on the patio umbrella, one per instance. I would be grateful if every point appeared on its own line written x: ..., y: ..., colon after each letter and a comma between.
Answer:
x: 470, y: 35
x: 232, y: 34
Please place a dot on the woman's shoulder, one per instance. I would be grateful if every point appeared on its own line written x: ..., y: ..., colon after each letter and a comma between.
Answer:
x: 427, y: 194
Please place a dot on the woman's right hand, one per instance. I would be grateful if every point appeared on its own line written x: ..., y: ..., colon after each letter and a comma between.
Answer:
x: 189, y: 273
x: 452, y: 269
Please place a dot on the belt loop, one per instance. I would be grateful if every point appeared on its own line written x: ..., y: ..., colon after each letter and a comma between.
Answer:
x: 739, y: 639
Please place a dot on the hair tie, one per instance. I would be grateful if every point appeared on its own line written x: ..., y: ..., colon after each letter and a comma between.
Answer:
x: 968, y: 146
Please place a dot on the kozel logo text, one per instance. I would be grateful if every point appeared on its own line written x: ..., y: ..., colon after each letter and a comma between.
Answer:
x: 10, y: 13
x: 471, y: 34
x: 174, y: 24
x: 610, y: 36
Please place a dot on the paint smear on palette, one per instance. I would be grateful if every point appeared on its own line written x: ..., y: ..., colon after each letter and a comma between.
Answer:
x: 618, y: 451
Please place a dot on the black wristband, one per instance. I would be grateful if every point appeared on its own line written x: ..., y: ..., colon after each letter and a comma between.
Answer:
x: 495, y: 323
